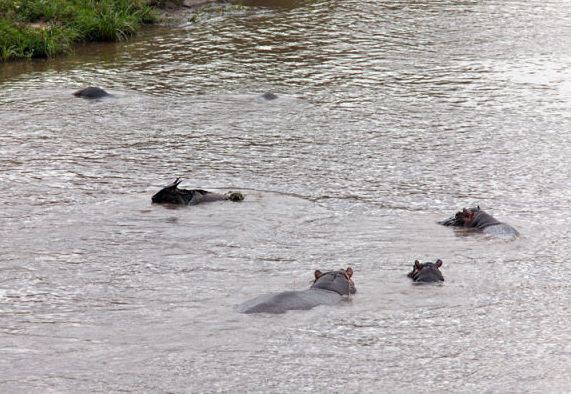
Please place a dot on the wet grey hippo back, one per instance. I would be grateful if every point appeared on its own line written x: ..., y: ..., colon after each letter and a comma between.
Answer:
x: 269, y: 96
x: 477, y: 219
x: 327, y: 289
x: 426, y: 272
x: 171, y: 194
x: 91, y: 92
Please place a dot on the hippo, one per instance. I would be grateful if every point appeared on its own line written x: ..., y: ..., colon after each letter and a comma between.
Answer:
x: 477, y: 219
x: 171, y: 194
x: 328, y: 288
x: 91, y: 92
x: 269, y: 96
x: 426, y: 272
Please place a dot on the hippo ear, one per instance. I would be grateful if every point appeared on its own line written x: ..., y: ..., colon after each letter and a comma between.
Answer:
x: 417, y: 264
x: 317, y: 274
x: 438, y: 263
x: 349, y: 272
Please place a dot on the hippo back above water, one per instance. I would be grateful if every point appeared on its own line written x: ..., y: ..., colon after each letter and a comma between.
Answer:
x: 328, y: 288
x: 426, y: 272
x: 269, y: 96
x: 171, y: 194
x: 91, y: 92
x: 475, y: 218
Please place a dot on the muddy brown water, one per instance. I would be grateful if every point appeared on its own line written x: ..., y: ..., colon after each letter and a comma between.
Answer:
x: 391, y: 115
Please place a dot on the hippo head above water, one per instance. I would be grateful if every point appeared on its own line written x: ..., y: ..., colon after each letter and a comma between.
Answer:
x: 426, y: 272
x: 476, y: 219
x: 462, y: 218
x: 337, y: 281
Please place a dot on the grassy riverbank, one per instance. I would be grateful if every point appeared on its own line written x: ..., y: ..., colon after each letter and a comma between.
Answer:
x: 45, y: 28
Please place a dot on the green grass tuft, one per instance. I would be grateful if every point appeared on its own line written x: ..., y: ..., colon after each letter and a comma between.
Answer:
x: 45, y: 28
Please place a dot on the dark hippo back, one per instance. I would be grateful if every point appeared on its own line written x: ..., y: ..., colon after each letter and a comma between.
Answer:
x: 289, y: 301
x: 481, y: 220
x: 269, y: 96
x: 327, y: 289
x: 91, y: 92
x: 486, y: 223
x: 426, y: 272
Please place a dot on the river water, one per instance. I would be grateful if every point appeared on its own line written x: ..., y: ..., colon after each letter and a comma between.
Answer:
x: 391, y: 116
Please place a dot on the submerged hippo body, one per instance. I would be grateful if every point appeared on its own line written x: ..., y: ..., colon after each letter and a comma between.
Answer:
x: 426, y: 272
x: 269, y: 96
x: 173, y: 195
x: 477, y: 219
x: 91, y: 92
x: 327, y: 289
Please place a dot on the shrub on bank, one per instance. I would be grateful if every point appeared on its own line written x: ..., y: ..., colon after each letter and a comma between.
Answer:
x: 44, y: 28
x: 21, y: 42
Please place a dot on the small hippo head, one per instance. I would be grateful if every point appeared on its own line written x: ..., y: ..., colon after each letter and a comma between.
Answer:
x: 337, y: 281
x: 462, y: 218
x: 426, y: 272
x: 169, y: 194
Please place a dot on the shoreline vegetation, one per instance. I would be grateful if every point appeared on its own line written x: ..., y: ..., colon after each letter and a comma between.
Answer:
x: 47, y: 28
